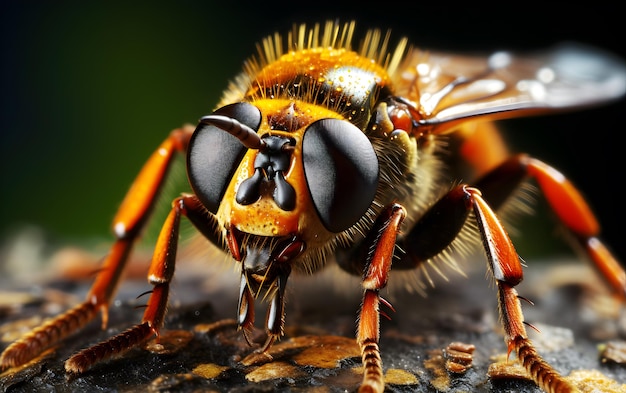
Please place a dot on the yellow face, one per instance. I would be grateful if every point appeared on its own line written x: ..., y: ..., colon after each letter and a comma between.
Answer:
x: 264, y: 217
x: 291, y: 93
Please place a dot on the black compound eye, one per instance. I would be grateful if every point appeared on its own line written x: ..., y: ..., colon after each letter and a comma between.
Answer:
x: 213, y: 154
x: 341, y: 170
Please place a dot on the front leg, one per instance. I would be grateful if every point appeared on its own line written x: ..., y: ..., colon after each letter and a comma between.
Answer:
x: 381, y: 242
x: 160, y: 275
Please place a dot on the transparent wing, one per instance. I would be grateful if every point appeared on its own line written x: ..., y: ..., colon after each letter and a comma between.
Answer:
x: 450, y: 88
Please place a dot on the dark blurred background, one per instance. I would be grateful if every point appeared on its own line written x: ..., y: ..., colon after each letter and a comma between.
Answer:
x: 89, y: 89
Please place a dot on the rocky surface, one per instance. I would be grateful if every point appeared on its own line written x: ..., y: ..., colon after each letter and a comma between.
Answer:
x: 449, y: 341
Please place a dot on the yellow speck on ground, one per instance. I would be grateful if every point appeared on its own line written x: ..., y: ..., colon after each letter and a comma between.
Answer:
x: 169, y: 342
x: 273, y: 370
x: 593, y: 381
x: 327, y: 351
x: 396, y: 376
x: 209, y: 370
x: 436, y: 365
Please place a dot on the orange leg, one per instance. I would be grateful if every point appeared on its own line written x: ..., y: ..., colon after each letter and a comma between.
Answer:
x: 375, y: 278
x: 432, y: 234
x: 160, y: 275
x: 507, y: 270
x: 127, y: 225
x: 481, y: 145
x: 567, y: 203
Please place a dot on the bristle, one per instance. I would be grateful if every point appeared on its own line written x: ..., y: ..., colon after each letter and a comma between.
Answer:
x: 332, y: 35
x: 398, y: 55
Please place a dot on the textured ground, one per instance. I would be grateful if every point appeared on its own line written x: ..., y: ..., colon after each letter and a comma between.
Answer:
x: 201, y: 349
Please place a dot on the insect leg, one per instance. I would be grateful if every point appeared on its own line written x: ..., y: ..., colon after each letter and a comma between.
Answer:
x: 481, y: 145
x: 159, y: 275
x: 436, y: 230
x: 507, y: 270
x: 127, y: 224
x: 567, y: 203
x: 381, y: 245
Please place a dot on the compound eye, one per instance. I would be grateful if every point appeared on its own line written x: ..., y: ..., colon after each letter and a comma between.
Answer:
x: 213, y: 154
x: 341, y: 170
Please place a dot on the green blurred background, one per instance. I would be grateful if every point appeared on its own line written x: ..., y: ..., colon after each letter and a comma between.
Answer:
x: 91, y: 88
